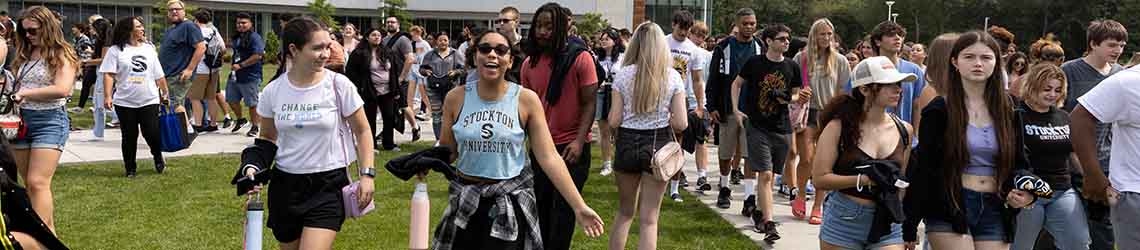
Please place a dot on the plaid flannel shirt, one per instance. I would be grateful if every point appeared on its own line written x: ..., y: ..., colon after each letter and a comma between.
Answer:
x: 463, y: 201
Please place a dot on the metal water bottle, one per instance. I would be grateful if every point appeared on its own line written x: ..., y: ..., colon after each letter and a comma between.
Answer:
x: 418, y: 230
x: 254, y: 212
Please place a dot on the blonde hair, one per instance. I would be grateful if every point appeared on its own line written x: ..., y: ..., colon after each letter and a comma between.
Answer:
x: 650, y: 52
x: 814, y: 53
x: 1038, y: 76
x: 172, y: 2
x: 701, y: 27
x: 55, y: 50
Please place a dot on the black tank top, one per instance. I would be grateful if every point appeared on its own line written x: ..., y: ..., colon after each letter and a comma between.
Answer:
x: 845, y: 165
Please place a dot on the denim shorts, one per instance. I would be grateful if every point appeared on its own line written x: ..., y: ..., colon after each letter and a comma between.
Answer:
x: 47, y: 129
x: 847, y: 223
x: 247, y: 92
x: 983, y: 217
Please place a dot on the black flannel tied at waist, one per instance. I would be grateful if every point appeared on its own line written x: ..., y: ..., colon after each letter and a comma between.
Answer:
x: 888, y: 206
x: 463, y: 201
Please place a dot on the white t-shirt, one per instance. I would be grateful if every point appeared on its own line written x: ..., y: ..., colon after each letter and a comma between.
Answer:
x: 686, y: 58
x: 1116, y: 100
x: 207, y: 33
x: 623, y: 83
x: 136, y: 70
x: 311, y: 136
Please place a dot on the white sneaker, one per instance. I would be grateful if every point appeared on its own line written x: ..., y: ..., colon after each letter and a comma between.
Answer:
x: 607, y: 168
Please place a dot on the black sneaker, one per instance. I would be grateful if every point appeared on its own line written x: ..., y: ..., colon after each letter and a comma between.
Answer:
x: 416, y: 133
x: 159, y: 167
x: 227, y: 122
x: 770, y: 230
x: 131, y: 174
x: 252, y: 132
x: 749, y: 206
x: 237, y: 126
x: 724, y: 199
x: 198, y: 129
x: 676, y: 197
x: 208, y: 129
x: 758, y: 221
x: 684, y: 182
x: 736, y: 175
x: 703, y: 184
x: 793, y: 193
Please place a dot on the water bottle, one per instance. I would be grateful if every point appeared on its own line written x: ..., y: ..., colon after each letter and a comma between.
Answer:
x: 253, y: 213
x: 418, y: 238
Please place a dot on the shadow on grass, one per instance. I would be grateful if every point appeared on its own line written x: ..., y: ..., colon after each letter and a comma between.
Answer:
x: 192, y: 206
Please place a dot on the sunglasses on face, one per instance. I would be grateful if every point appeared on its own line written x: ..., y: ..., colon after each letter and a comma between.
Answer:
x: 486, y: 48
x: 1052, y: 56
x: 503, y: 20
x: 31, y: 31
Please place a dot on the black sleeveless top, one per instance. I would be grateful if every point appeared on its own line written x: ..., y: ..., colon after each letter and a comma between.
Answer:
x: 848, y: 160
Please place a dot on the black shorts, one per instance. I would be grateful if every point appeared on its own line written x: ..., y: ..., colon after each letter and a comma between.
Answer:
x: 813, y: 118
x: 768, y: 150
x: 634, y: 148
x: 313, y: 200
x: 697, y: 133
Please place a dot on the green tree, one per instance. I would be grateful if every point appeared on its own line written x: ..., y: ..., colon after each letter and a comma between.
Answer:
x: 324, y: 11
x: 159, y: 23
x: 591, y: 24
x: 398, y: 9
x: 272, y: 47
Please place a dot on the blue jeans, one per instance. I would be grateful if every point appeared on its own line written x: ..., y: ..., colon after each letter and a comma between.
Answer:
x: 47, y: 129
x: 847, y: 223
x: 1063, y: 216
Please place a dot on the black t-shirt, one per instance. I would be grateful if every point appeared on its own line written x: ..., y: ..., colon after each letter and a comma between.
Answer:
x: 1047, y: 138
x: 767, y: 90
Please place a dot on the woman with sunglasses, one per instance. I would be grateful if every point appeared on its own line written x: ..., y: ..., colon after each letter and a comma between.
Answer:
x: 860, y: 132
x: 134, y: 64
x: 45, y: 68
x: 486, y: 123
x: 1017, y: 65
x: 304, y: 113
x: 962, y: 184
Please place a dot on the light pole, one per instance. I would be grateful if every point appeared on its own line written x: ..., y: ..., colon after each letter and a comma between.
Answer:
x: 889, y: 4
x: 986, y: 24
x: 894, y: 17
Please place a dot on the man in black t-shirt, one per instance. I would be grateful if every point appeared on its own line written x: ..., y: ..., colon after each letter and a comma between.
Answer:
x: 760, y: 95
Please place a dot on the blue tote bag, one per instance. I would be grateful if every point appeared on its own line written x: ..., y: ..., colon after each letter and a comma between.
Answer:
x: 173, y: 128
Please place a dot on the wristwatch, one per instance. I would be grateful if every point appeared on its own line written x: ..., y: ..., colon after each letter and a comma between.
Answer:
x: 370, y: 172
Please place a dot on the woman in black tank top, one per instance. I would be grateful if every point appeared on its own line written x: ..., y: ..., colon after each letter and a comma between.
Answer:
x: 861, y: 140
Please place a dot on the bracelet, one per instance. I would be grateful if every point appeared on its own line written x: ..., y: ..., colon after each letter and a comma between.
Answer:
x: 858, y: 183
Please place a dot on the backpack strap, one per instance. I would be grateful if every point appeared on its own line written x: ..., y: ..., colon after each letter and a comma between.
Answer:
x: 904, y: 135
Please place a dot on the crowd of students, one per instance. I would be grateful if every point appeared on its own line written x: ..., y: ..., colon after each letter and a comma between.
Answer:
x: 964, y: 134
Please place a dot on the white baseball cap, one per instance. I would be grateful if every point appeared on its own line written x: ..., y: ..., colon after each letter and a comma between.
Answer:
x: 879, y: 69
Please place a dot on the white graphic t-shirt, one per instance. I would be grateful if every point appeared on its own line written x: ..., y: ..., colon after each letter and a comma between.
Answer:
x: 311, y: 134
x: 687, y: 57
x: 136, y: 70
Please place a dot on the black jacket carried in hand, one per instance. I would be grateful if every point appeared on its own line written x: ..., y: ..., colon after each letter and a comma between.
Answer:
x: 258, y: 157
x: 888, y: 206
x: 407, y: 166
x: 926, y: 198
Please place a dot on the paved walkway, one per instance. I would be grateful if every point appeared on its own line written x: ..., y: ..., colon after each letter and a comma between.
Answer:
x: 797, y: 234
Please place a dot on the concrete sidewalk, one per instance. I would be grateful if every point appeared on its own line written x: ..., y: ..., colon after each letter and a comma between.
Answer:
x: 81, y: 149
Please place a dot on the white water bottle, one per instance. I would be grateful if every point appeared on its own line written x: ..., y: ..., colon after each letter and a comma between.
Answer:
x: 253, y: 214
x: 421, y: 208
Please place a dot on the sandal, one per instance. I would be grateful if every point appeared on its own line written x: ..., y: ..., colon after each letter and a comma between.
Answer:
x: 816, y: 217
x: 799, y: 208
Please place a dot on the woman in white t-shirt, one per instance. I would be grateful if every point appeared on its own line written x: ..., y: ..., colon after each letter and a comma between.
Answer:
x: 134, y: 64
x: 648, y: 109
x: 608, y: 55
x: 305, y: 114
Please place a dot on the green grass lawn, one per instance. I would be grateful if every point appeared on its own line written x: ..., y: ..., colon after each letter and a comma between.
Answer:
x: 84, y: 119
x: 192, y: 206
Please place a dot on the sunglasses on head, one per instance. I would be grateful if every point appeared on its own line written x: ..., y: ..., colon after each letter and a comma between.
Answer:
x: 486, y: 48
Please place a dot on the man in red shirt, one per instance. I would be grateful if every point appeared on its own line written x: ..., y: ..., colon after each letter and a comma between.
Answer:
x: 562, y: 73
